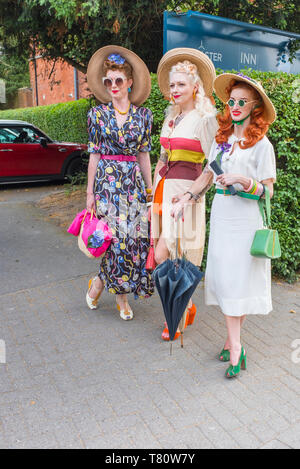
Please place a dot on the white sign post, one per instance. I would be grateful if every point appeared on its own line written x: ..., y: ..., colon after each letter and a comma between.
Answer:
x: 2, y: 92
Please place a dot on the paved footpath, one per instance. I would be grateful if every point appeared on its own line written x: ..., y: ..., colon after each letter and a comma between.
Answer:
x: 76, y: 378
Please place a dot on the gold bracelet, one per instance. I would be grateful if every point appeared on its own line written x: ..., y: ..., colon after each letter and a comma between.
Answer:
x: 149, y: 191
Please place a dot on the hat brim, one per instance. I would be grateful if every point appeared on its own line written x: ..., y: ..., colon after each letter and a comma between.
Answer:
x: 141, y: 87
x: 223, y: 81
x: 205, y: 67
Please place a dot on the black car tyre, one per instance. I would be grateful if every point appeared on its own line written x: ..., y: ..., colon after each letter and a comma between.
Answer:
x: 75, y: 167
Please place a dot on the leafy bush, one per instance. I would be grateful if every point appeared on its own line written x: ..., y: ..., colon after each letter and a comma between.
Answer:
x: 67, y: 121
x: 158, y: 106
x: 62, y: 122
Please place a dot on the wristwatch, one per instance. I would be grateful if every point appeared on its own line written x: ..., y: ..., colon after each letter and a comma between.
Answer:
x: 193, y: 196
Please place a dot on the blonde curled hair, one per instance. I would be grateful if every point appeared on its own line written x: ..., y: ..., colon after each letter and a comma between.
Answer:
x: 203, y: 103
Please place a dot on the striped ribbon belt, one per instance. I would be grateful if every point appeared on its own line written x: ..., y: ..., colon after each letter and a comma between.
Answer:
x: 245, y: 195
x: 186, y: 155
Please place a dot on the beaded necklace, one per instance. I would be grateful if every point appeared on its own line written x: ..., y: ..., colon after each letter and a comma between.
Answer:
x: 122, y: 112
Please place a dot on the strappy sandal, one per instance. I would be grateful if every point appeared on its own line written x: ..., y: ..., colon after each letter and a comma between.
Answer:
x: 234, y: 371
x: 192, y: 313
x: 165, y: 333
x: 92, y: 302
x: 224, y: 355
x: 126, y: 314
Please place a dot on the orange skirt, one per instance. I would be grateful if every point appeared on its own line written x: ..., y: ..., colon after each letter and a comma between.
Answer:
x: 158, y: 197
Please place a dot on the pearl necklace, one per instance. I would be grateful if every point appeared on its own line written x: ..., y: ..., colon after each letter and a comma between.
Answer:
x: 122, y: 112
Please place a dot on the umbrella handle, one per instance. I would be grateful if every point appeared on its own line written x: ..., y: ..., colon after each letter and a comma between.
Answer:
x: 177, y: 239
x: 177, y: 248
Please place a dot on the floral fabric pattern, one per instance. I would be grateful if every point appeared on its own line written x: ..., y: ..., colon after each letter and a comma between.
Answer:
x: 106, y: 138
x: 120, y: 198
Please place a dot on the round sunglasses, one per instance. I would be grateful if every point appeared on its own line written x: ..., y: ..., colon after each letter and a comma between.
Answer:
x: 108, y: 82
x: 241, y: 102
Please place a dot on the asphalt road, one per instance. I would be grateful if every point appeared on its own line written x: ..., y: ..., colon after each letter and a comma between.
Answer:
x: 76, y: 378
x: 33, y: 251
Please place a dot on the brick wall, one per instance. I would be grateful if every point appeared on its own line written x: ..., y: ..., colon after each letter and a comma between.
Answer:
x: 56, y: 82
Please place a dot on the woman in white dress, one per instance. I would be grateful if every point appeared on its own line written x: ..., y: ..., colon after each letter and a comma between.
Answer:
x: 236, y: 281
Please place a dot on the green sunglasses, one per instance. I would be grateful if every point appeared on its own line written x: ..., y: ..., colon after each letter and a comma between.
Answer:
x: 241, y: 102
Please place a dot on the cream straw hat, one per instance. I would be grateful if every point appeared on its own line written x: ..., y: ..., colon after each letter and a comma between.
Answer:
x: 141, y: 87
x: 222, y: 82
x: 205, y: 67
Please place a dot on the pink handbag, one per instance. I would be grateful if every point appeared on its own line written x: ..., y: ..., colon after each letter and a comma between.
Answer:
x: 94, y: 235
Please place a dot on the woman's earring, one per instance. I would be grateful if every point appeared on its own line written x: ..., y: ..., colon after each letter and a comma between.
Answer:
x: 172, y: 99
x: 129, y: 90
x: 194, y: 94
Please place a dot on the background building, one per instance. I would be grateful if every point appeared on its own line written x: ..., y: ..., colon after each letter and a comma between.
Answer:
x: 55, y: 82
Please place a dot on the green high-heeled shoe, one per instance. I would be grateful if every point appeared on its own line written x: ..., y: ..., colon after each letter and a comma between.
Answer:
x: 233, y: 371
x: 224, y: 356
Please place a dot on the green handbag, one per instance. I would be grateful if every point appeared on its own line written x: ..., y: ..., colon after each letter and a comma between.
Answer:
x: 266, y: 241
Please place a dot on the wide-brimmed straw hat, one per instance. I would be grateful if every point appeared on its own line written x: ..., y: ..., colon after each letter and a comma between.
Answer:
x: 222, y: 82
x: 205, y: 67
x: 141, y: 87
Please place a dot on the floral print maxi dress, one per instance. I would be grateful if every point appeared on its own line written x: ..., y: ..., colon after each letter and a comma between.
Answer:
x: 120, y: 197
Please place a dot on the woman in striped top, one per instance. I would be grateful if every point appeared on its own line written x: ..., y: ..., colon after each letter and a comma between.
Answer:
x: 185, y: 76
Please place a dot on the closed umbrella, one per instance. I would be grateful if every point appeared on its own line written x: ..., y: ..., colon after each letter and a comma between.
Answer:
x: 176, y: 281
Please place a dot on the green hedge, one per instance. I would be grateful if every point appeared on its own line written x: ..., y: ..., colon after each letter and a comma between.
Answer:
x: 67, y: 121
x: 62, y: 122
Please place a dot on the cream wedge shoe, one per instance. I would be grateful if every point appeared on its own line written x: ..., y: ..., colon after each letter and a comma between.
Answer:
x: 92, y: 302
x: 125, y: 314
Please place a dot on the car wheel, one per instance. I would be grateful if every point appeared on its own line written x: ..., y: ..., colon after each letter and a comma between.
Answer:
x: 76, y: 167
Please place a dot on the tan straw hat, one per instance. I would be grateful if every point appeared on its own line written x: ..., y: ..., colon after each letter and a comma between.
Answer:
x: 222, y: 82
x: 141, y: 87
x: 205, y: 67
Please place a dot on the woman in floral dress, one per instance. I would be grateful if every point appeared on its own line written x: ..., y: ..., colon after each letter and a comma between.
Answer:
x: 119, y: 173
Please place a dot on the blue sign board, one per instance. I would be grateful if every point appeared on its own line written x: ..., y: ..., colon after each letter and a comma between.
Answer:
x: 231, y: 44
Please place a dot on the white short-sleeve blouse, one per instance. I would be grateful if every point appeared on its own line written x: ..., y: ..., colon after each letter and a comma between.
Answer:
x: 257, y: 162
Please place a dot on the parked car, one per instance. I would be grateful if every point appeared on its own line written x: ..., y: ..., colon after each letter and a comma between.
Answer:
x: 28, y: 154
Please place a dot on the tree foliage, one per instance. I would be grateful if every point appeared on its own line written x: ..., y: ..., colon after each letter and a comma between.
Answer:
x: 74, y: 30
x: 14, y: 71
x: 281, y: 14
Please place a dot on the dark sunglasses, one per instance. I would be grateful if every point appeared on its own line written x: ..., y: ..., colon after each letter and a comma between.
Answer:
x: 241, y: 102
x: 108, y: 82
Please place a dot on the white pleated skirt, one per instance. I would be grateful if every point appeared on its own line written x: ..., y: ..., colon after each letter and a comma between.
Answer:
x: 191, y: 232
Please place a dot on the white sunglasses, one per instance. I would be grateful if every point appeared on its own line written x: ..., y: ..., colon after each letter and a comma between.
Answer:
x: 108, y: 82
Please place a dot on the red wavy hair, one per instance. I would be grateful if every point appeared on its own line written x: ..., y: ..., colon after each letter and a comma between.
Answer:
x: 255, y: 131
